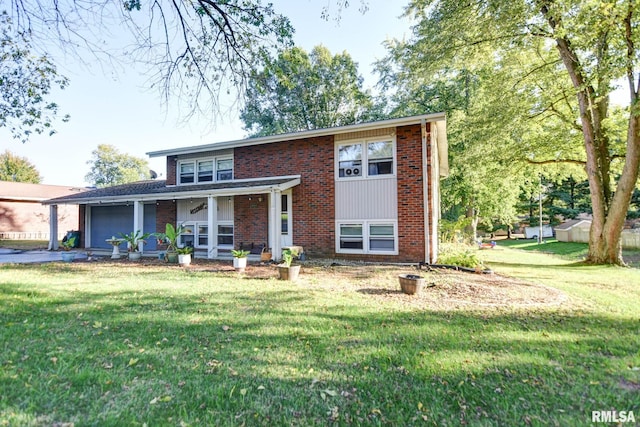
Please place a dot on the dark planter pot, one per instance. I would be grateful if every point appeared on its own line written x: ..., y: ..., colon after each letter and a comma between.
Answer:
x: 411, y: 284
x: 171, y: 257
x: 289, y: 273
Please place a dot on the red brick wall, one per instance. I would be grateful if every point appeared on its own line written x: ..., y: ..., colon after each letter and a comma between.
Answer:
x: 410, y: 193
x: 251, y: 220
x: 313, y: 200
x: 166, y: 212
x: 30, y: 220
x: 172, y: 162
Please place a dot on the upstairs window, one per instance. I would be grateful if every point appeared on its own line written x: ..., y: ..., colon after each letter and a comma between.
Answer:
x: 365, y: 159
x: 205, y: 170
x: 187, y: 173
x: 224, y: 169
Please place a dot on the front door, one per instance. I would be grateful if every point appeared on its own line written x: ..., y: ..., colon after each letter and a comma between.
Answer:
x: 286, y: 236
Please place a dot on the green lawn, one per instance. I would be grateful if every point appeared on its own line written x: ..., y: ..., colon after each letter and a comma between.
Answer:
x: 121, y: 344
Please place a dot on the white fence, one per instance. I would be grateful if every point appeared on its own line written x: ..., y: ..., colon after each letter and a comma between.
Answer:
x: 28, y: 235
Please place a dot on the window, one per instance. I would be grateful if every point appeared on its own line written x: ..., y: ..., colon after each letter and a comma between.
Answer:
x: 224, y: 168
x: 203, y: 235
x: 186, y: 173
x: 365, y: 159
x: 187, y: 237
x: 351, y: 236
x: 380, y: 157
x: 367, y: 237
x: 381, y: 238
x: 284, y: 218
x: 225, y: 235
x: 350, y: 160
x: 205, y: 170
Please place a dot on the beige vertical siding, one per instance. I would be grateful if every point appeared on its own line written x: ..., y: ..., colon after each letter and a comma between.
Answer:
x: 367, y: 199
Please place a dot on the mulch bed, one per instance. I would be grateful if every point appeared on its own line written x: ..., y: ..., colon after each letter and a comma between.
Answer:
x: 445, y: 289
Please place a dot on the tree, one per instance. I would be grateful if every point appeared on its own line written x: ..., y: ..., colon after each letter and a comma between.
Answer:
x: 110, y: 167
x: 197, y: 49
x: 25, y: 82
x: 299, y: 91
x: 18, y: 169
x: 575, y: 52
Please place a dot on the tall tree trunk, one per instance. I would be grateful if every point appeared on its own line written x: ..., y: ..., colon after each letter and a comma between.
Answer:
x: 609, y: 212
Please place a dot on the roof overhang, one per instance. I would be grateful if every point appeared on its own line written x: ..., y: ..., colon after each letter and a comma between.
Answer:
x: 404, y: 121
x: 176, y: 192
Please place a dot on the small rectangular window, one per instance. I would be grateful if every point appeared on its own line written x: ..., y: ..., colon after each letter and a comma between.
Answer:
x: 225, y: 235
x: 350, y: 161
x: 284, y: 218
x: 187, y: 237
x: 381, y: 237
x: 187, y: 175
x: 351, y: 236
x: 380, y: 157
x: 203, y: 235
x: 224, y: 169
x: 205, y: 171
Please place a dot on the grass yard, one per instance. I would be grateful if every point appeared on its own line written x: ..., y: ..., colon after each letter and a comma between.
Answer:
x: 124, y: 344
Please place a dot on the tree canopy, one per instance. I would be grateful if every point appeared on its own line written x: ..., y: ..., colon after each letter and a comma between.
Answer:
x: 18, y: 169
x: 198, y: 50
x: 550, y: 66
x: 110, y: 167
x: 26, y: 81
x: 302, y: 91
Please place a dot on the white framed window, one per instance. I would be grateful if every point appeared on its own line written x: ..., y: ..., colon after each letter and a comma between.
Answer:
x: 225, y: 235
x: 367, y: 237
x: 365, y: 159
x: 202, y: 171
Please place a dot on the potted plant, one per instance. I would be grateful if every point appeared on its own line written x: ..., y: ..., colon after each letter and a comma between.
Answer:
x: 286, y: 270
x: 184, y: 255
x: 239, y: 259
x: 66, y: 246
x: 170, y: 238
x: 411, y: 284
x: 134, y: 240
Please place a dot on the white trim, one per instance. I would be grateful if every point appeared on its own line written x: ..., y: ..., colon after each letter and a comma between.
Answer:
x: 404, y: 121
x: 425, y: 192
x: 366, y: 250
x: 182, y: 192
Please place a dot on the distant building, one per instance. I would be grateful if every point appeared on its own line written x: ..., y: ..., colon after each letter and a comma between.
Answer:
x: 24, y: 217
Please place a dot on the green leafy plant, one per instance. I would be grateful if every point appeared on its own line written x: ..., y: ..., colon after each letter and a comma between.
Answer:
x: 239, y: 253
x: 459, y: 255
x: 185, y: 250
x: 170, y: 236
x: 69, y: 244
x: 134, y: 238
x: 287, y: 256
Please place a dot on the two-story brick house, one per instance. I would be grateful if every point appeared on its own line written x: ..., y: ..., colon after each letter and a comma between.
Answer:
x: 368, y: 191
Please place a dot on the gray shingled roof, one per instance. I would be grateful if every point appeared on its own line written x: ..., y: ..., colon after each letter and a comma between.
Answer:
x: 159, y: 187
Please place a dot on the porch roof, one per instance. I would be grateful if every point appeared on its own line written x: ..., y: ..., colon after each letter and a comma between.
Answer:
x: 152, y: 190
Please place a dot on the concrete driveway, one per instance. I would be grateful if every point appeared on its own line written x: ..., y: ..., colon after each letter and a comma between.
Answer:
x: 15, y: 256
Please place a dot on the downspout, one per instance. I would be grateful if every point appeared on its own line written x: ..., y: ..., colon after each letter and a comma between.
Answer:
x: 425, y: 191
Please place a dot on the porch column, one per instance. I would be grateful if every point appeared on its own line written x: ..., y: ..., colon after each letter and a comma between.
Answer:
x: 275, y: 223
x: 138, y: 220
x: 212, y: 221
x: 53, y: 227
x: 87, y: 227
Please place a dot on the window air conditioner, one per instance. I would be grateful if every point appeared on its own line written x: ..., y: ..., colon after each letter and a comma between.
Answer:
x: 355, y: 171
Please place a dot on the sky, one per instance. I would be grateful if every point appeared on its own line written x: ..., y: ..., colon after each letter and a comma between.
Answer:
x: 114, y: 107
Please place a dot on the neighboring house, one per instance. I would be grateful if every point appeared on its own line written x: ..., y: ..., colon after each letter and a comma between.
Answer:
x: 368, y: 191
x: 24, y: 217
